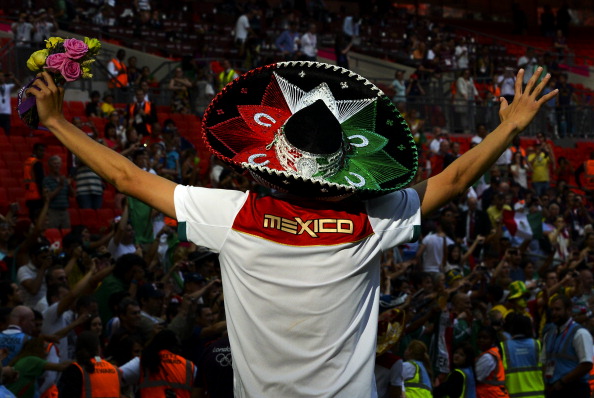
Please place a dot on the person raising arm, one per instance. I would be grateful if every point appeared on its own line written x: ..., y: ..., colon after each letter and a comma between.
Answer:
x: 464, y: 171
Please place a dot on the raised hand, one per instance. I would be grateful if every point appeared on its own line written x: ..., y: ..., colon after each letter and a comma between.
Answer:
x: 526, y: 103
x: 49, y: 97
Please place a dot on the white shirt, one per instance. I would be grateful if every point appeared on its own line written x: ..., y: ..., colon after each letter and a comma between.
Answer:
x: 433, y: 254
x: 484, y: 366
x: 309, y: 44
x: 131, y: 371
x: 5, y: 90
x: 507, y: 85
x: 242, y: 27
x: 385, y: 378
x: 119, y: 250
x: 52, y: 322
x: 461, y: 53
x: 26, y: 272
x: 301, y: 307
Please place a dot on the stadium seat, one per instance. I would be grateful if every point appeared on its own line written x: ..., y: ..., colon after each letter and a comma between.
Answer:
x: 54, y: 236
x: 75, y: 218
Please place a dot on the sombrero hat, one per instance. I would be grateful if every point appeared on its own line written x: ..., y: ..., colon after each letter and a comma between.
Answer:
x: 312, y: 129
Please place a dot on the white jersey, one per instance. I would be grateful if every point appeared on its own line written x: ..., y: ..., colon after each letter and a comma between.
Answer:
x: 301, y: 284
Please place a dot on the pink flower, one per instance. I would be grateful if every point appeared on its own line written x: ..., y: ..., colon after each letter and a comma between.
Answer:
x: 54, y: 62
x: 75, y: 49
x: 70, y: 70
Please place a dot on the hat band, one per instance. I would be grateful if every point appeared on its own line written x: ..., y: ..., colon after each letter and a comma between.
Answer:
x: 306, y: 164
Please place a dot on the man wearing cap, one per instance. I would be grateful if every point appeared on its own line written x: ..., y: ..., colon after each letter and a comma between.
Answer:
x: 150, y: 298
x: 337, y: 151
x: 31, y: 276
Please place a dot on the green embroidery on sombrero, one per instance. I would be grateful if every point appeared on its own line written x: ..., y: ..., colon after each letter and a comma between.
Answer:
x: 367, y: 165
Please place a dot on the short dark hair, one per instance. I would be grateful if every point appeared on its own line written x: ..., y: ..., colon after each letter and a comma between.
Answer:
x: 567, y: 303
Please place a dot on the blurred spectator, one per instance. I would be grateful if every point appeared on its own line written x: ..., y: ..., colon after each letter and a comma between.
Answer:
x: 133, y: 72
x: 45, y: 25
x: 243, y: 30
x: 506, y: 84
x: 342, y: 46
x: 414, y: 90
x: 22, y: 31
x: 141, y: 113
x: 227, y: 74
x: 529, y: 62
x: 180, y: 85
x: 566, y: 99
x: 118, y: 71
x: 33, y: 180
x: 93, y: 108
x: 461, y: 54
x: 309, y: 43
x: 8, y: 84
x: 107, y: 105
x: 465, y: 100
x: 288, y: 42
x: 563, y: 18
x: 59, y: 188
x: 21, y: 322
x: 89, y: 188
x: 560, y: 46
x: 541, y: 160
x: 399, y: 86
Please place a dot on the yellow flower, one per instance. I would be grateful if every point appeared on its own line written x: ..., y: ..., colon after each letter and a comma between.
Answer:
x: 88, y: 62
x: 53, y: 42
x: 86, y: 72
x: 94, y: 45
x: 37, y: 60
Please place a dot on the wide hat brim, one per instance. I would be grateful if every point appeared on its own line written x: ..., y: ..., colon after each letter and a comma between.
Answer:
x: 242, y: 123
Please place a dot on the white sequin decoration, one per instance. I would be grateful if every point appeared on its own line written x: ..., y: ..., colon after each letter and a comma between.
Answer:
x: 259, y: 116
x: 364, y: 141
x: 359, y: 184
x: 252, y: 159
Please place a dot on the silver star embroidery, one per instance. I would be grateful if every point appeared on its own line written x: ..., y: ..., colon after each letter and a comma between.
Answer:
x: 344, y: 85
x: 302, y: 74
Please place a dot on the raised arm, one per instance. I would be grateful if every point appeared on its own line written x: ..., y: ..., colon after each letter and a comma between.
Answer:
x: 464, y: 171
x: 111, y: 166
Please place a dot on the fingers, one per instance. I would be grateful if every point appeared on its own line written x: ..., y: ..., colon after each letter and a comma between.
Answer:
x: 519, y: 80
x: 538, y: 89
x: 533, y: 79
x: 548, y: 96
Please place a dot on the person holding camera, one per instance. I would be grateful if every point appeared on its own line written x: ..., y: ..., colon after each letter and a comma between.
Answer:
x: 541, y: 161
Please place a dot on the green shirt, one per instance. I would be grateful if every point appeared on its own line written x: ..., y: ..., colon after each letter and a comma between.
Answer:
x: 30, y: 369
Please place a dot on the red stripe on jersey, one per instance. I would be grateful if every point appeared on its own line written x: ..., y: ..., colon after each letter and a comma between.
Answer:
x: 304, y: 224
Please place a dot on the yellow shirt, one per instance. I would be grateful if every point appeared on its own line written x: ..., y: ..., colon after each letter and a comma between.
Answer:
x: 540, y: 167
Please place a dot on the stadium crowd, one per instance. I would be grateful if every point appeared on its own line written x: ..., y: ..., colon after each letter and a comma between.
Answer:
x: 495, y: 299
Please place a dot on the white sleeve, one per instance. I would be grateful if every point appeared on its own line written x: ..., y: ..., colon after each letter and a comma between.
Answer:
x: 131, y: 371
x: 112, y: 69
x: 484, y: 366
x: 396, y: 374
x: 582, y: 342
x: 205, y: 215
x: 395, y: 217
x: 408, y: 371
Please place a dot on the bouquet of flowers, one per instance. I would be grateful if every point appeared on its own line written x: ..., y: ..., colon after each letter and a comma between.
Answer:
x: 66, y: 60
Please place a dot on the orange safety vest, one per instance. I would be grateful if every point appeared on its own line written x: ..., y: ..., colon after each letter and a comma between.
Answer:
x: 147, y: 110
x: 104, y: 382
x: 120, y: 80
x: 494, y: 385
x: 175, y: 373
x: 591, y: 380
x: 515, y: 149
x: 589, y: 177
x: 31, y: 188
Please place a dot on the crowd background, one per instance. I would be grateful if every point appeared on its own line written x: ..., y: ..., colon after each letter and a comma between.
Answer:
x: 76, y: 256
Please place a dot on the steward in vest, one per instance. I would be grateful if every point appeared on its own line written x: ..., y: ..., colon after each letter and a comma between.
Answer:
x: 227, y: 75
x: 415, y: 371
x: 90, y: 376
x: 489, y: 367
x: 587, y: 168
x: 568, y: 353
x: 159, y: 372
x: 141, y: 113
x: 460, y: 383
x: 521, y: 362
x: 33, y: 175
x: 52, y: 390
x: 118, y: 70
